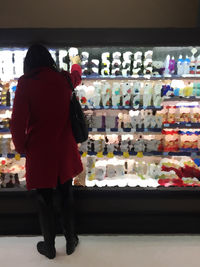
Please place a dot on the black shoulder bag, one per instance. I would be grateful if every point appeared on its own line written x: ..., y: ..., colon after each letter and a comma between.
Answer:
x: 77, y: 117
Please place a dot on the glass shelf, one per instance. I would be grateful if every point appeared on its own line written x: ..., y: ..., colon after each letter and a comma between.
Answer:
x: 124, y: 130
x: 11, y: 155
x: 5, y: 107
x: 153, y: 153
x: 145, y: 78
x: 5, y: 130
x: 120, y: 108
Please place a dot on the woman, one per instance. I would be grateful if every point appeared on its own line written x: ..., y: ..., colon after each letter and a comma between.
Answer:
x: 40, y: 127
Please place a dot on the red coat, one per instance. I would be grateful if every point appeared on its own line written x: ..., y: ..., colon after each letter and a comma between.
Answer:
x: 40, y: 127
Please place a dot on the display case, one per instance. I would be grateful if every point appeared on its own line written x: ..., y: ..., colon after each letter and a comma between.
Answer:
x: 140, y: 93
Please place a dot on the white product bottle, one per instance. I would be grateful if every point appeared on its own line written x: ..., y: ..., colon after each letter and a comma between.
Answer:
x: 186, y: 65
x: 73, y: 51
x: 6, y: 65
x: 62, y: 55
x: 180, y: 67
x: 18, y: 63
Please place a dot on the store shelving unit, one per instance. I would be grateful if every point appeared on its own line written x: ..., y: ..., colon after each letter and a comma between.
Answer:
x: 112, y: 209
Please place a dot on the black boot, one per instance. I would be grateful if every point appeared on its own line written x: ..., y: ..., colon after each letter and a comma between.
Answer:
x: 47, y: 224
x: 70, y: 235
x: 67, y: 217
x: 48, y: 251
x: 71, y: 244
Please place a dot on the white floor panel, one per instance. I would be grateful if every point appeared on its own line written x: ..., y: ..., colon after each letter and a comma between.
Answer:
x: 106, y: 251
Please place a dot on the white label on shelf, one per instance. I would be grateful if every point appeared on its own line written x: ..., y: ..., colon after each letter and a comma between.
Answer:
x: 147, y: 76
x: 193, y: 154
x: 133, y: 130
x: 135, y: 76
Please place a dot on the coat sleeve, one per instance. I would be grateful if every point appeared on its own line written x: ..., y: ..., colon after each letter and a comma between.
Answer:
x: 75, y: 75
x: 20, y: 116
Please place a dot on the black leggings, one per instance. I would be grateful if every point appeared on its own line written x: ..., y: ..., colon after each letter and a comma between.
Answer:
x: 65, y: 192
x: 66, y: 205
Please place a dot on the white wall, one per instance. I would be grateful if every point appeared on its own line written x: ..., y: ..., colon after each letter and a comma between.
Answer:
x: 98, y: 13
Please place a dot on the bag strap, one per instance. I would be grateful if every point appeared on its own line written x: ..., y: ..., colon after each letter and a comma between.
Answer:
x: 70, y: 82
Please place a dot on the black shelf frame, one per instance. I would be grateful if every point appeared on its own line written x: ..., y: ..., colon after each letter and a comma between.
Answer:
x: 56, y: 37
x: 110, y: 210
x: 107, y: 210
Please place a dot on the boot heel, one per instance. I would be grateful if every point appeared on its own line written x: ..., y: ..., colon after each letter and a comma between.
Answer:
x: 43, y: 249
x: 71, y: 245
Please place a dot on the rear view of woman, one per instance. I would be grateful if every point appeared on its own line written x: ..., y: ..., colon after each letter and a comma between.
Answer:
x: 40, y: 127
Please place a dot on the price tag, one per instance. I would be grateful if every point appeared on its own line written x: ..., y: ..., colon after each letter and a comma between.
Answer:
x: 140, y: 154
x: 147, y: 76
x: 84, y: 154
x: 166, y: 124
x: 188, y: 125
x: 165, y: 153
x: 115, y: 107
x: 193, y: 154
x: 110, y: 155
x: 100, y: 154
x: 17, y: 156
x: 91, y: 177
x: 126, y: 154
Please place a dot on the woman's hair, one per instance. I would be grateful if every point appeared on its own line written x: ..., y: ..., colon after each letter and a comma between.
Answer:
x: 38, y: 56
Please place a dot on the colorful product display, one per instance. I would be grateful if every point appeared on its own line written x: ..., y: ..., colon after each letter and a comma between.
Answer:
x: 108, y: 144
x: 128, y: 120
x: 120, y: 94
x: 135, y: 172
x: 143, y: 113
x: 12, y: 172
x: 131, y: 62
x: 139, y: 63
